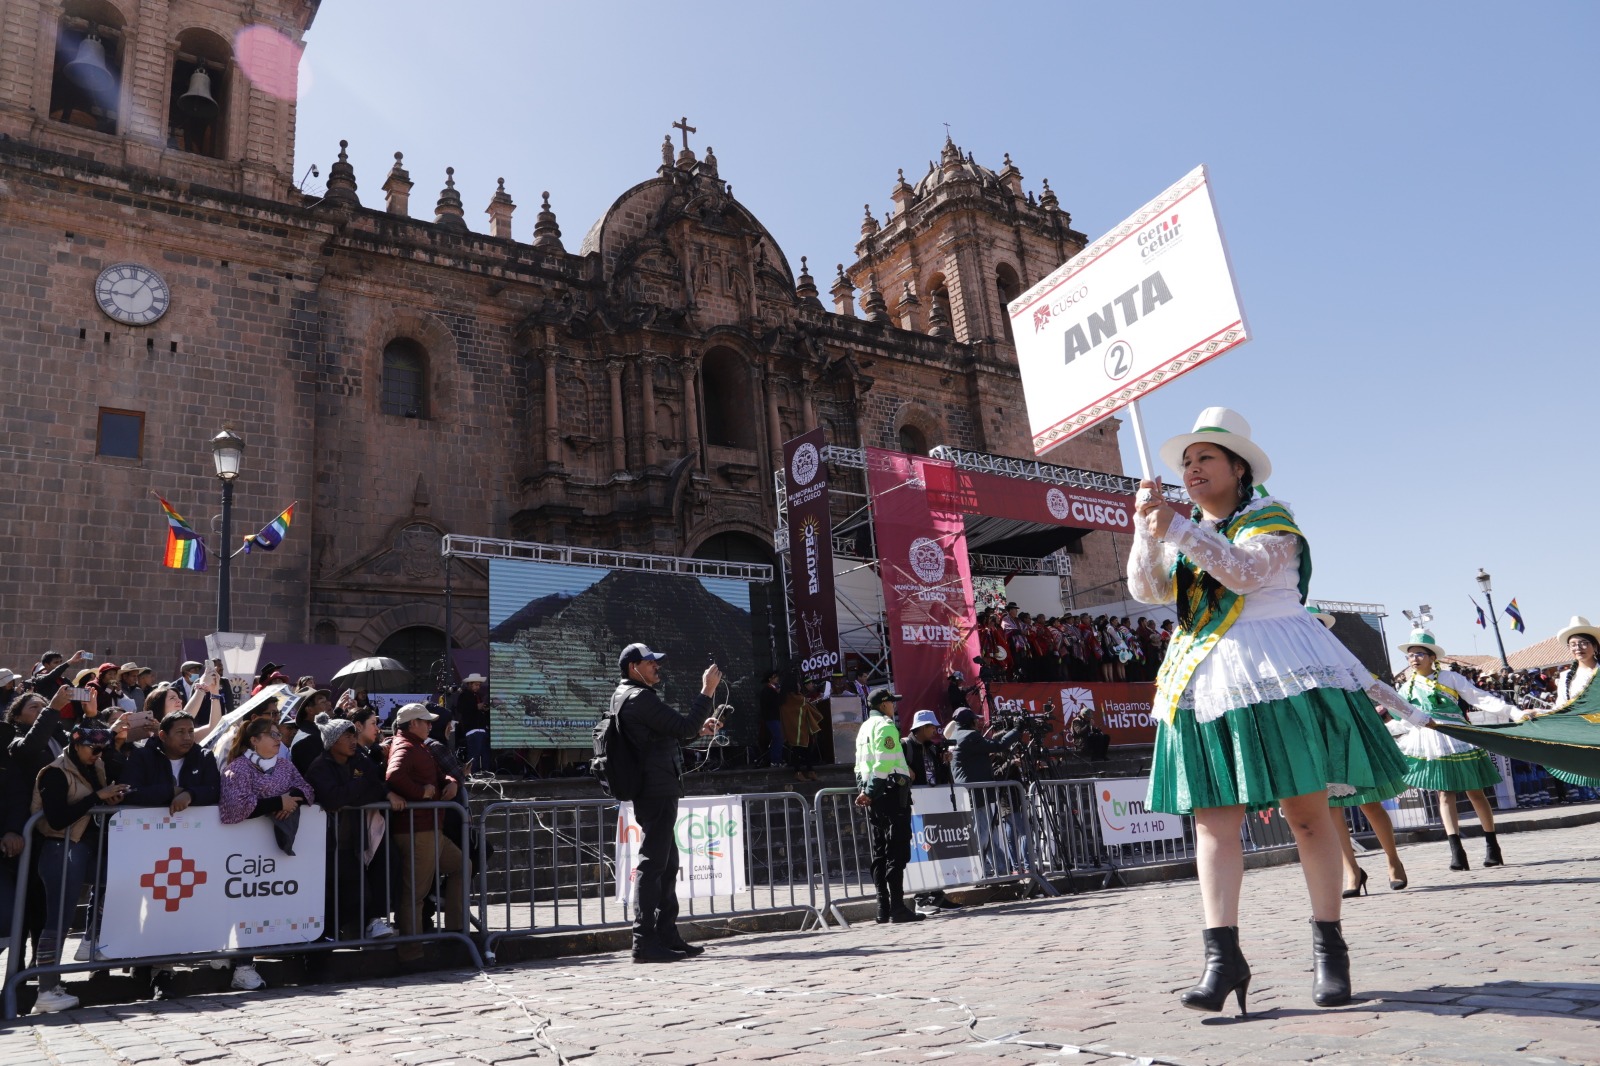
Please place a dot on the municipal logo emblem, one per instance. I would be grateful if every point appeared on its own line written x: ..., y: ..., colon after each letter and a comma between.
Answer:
x: 927, y: 560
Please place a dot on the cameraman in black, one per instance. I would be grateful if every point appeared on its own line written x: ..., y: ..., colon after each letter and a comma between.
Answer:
x: 972, y: 763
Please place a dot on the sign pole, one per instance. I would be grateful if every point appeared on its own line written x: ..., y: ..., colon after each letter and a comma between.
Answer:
x: 1139, y: 440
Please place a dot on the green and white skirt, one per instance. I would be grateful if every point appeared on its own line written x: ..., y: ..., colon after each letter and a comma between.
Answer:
x: 1457, y: 772
x: 1260, y: 754
x: 1573, y: 779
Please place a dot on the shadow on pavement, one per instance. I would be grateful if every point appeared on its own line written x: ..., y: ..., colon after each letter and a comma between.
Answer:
x: 1518, y: 998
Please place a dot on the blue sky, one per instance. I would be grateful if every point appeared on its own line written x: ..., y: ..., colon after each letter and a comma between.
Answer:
x: 1402, y: 186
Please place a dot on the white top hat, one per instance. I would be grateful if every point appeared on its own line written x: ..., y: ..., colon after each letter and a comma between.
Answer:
x: 1320, y: 615
x: 1424, y: 641
x: 1219, y: 425
x: 1580, y: 626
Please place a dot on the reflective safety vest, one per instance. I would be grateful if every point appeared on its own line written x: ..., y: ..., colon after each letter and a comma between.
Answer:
x: 878, y: 752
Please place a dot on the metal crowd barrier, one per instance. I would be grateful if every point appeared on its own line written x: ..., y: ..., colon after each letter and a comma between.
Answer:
x: 1008, y: 842
x: 554, y: 866
x: 373, y: 900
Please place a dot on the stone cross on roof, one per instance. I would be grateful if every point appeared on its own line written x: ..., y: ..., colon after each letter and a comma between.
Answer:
x: 683, y: 124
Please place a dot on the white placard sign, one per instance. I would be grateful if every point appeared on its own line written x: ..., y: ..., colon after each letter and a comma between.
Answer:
x: 186, y: 882
x: 710, y: 835
x: 944, y: 843
x: 1150, y: 300
x: 1123, y: 818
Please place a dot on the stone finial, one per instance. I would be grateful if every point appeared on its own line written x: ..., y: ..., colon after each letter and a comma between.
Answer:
x: 908, y: 306
x: 1047, y: 198
x: 666, y: 150
x: 844, y: 294
x: 397, y: 188
x: 499, y: 211
x: 708, y: 165
x: 806, y: 287
x: 342, y: 180
x: 907, y: 296
x: 448, y: 212
x: 950, y: 155
x: 869, y: 224
x: 546, y: 234
x: 902, y: 193
x: 874, y: 304
x: 1011, y: 177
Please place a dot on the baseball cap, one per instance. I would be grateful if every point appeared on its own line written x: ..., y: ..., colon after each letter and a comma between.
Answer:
x: 638, y: 653
x: 965, y: 717
x: 922, y: 718
x: 878, y: 695
x: 411, y: 712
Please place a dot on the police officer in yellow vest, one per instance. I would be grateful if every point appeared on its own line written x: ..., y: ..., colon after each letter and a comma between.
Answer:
x: 884, y: 779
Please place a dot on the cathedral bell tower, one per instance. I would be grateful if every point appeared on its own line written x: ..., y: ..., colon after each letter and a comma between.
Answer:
x: 957, y: 247
x: 190, y: 91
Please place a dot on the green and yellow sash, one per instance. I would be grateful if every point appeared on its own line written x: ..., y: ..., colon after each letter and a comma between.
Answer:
x: 1210, y: 618
x: 1435, y: 698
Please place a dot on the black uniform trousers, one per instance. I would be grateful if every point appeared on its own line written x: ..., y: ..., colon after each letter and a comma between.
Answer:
x: 889, y: 825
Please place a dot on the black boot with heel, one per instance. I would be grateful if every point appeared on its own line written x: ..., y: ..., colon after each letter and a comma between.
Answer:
x: 1491, y: 850
x: 1330, y: 959
x: 1458, y: 854
x: 1226, y: 971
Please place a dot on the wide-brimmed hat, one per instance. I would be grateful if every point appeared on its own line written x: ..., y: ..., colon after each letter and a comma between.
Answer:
x: 1421, y: 638
x: 922, y: 718
x: 1220, y: 426
x: 1579, y: 625
x: 1320, y: 615
x: 8, y: 676
x: 470, y: 678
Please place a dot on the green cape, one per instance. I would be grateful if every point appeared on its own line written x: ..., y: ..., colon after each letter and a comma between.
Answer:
x: 1566, y: 739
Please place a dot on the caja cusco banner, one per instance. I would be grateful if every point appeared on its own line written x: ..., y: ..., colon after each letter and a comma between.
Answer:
x: 973, y: 492
x: 1121, y: 708
x: 927, y: 583
x: 814, y: 618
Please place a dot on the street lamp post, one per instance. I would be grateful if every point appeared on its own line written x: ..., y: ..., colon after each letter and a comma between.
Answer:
x: 227, y: 452
x: 1483, y: 585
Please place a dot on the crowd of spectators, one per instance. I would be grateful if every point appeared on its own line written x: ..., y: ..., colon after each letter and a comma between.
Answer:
x: 76, y: 738
x: 1017, y: 646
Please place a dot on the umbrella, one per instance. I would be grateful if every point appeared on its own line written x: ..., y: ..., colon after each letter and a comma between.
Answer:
x: 373, y: 674
x: 222, y: 732
x: 1567, y: 738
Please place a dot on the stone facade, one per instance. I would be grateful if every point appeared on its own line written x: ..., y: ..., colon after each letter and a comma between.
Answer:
x: 406, y: 377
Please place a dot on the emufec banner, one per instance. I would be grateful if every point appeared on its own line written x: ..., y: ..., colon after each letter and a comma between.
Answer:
x: 185, y: 882
x: 1120, y: 708
x: 1149, y: 301
x: 814, y: 614
x: 927, y: 582
x: 711, y: 842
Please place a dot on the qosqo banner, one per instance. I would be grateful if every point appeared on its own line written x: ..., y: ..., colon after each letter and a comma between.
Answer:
x: 814, y: 617
x: 944, y: 845
x: 1121, y: 708
x: 1149, y: 301
x: 927, y: 582
x: 179, y: 883
x: 710, y: 836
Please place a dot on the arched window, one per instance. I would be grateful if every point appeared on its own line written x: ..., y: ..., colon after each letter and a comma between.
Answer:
x: 86, y: 86
x: 325, y: 633
x: 419, y: 649
x: 913, y: 440
x: 405, y: 379
x: 1009, y: 288
x: 730, y: 407
x: 197, y: 103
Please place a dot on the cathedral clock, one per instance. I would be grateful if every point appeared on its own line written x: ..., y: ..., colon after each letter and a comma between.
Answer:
x: 132, y: 294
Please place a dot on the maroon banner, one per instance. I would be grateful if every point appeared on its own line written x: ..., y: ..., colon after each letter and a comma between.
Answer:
x: 927, y: 583
x: 1121, y: 709
x: 814, y: 614
x: 970, y: 492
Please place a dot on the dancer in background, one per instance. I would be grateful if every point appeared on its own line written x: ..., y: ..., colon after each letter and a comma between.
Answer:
x: 1441, y: 763
x: 1257, y: 704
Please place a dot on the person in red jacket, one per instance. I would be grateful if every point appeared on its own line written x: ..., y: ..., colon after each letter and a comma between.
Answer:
x: 427, y: 854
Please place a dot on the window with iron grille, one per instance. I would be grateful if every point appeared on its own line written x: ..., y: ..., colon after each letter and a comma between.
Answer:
x: 405, y: 371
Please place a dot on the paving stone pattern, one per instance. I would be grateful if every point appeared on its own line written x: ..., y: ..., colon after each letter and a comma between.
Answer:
x: 1484, y: 967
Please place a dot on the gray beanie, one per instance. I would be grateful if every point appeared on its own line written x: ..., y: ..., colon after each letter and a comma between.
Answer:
x: 332, y: 729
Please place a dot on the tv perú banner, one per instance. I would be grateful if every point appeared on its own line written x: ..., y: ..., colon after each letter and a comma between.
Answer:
x: 814, y: 615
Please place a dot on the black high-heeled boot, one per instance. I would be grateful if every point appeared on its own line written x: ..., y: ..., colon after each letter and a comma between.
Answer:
x: 1226, y: 971
x: 1330, y: 958
x: 1458, y: 854
x: 1491, y: 851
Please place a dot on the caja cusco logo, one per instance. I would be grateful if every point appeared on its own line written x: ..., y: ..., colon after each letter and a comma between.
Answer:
x: 173, y: 880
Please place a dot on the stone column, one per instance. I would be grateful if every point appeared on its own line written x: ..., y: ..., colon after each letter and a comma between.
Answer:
x: 552, y: 432
x: 619, y: 443
x: 652, y: 434
x: 774, y: 426
x: 691, y: 408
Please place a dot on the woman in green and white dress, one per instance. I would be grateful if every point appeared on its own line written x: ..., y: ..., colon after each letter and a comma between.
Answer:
x: 1439, y: 762
x: 1257, y: 705
x: 1583, y: 642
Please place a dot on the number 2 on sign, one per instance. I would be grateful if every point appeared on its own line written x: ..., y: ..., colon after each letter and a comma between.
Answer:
x: 1119, y: 360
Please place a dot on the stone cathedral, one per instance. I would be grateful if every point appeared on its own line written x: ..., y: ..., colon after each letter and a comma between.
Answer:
x: 406, y: 367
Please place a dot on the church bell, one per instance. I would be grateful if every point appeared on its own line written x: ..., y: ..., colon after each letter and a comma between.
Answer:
x: 198, y: 103
x: 88, y: 69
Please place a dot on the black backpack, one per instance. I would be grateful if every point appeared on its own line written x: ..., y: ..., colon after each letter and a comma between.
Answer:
x: 615, y: 764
